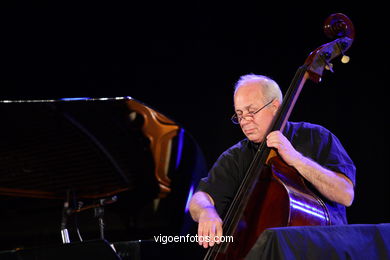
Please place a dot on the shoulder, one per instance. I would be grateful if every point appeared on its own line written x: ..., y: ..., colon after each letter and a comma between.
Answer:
x: 311, y: 139
x: 306, y: 130
x: 305, y: 126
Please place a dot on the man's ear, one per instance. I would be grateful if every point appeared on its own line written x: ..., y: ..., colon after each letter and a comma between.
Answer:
x: 275, y: 106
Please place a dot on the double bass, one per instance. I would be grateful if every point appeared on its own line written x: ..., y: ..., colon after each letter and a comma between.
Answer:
x: 273, y: 194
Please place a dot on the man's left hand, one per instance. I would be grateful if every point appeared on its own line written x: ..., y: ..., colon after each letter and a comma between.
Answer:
x: 288, y: 153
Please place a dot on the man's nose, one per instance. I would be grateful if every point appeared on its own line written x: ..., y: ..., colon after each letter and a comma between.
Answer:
x: 245, y: 120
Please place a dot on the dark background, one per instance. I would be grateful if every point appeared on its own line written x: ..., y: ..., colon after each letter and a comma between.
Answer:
x: 183, y: 60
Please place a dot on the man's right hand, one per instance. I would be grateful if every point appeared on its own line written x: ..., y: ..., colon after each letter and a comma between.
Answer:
x: 210, y: 226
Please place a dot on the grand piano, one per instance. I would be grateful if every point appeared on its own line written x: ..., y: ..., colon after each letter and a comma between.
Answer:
x: 86, y: 169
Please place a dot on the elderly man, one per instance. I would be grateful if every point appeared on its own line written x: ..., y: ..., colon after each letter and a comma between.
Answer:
x: 311, y: 149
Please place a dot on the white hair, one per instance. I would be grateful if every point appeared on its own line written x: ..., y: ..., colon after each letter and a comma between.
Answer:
x: 270, y: 89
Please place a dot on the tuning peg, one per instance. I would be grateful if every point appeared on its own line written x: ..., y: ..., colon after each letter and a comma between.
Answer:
x: 325, y: 57
x: 329, y: 66
x: 345, y: 59
x: 342, y: 46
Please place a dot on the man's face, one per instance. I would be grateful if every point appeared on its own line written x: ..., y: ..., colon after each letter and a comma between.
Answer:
x: 249, y: 99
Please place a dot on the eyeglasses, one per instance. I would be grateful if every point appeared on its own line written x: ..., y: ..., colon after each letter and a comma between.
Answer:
x: 236, y: 119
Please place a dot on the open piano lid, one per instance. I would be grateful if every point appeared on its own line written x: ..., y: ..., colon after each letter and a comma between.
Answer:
x: 90, y: 146
x: 95, y: 147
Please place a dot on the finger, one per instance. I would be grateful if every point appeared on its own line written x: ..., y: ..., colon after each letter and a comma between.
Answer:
x: 273, y: 138
x: 274, y: 143
x: 219, y: 232
x: 212, y: 234
x: 205, y: 234
x: 200, y: 233
x: 270, y: 135
x: 276, y: 137
x: 273, y: 134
